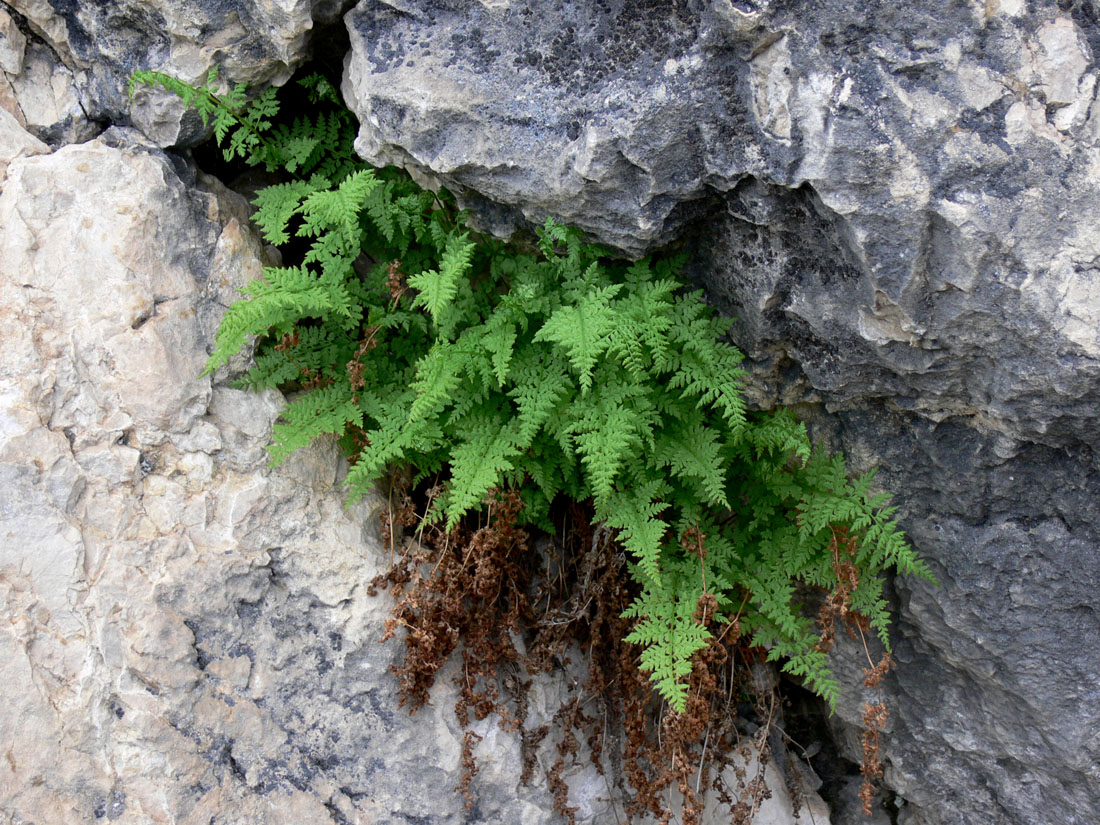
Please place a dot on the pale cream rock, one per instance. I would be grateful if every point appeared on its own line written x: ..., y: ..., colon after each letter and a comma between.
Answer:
x: 1067, y: 288
x: 113, y: 317
x: 813, y: 100
x: 9, y: 102
x: 770, y: 81
x: 1009, y: 8
x: 12, y: 44
x: 1027, y: 120
x: 15, y: 142
x: 94, y: 666
x: 1060, y: 60
x: 1092, y: 125
x: 1072, y: 116
x: 952, y: 54
x: 886, y: 322
x: 734, y: 19
x: 46, y: 98
x: 44, y: 19
x: 980, y: 87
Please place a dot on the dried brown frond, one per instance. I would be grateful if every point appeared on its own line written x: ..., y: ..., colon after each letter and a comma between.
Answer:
x: 395, y: 281
x: 469, y: 767
x: 477, y: 590
x: 874, y: 720
x: 289, y: 341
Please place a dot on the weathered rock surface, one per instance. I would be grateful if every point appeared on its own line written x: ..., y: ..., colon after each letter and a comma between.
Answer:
x: 15, y: 142
x: 45, y: 99
x: 189, y: 637
x: 12, y: 45
x: 899, y: 204
x: 258, y: 43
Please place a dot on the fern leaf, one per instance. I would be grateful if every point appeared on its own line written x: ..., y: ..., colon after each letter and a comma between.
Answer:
x: 477, y: 464
x: 438, y: 288
x: 437, y: 375
x: 281, y: 298
x: 326, y: 410
x: 540, y: 386
x: 336, y: 211
x: 671, y: 638
x: 633, y: 512
x: 607, y: 428
x: 692, y: 452
x: 582, y: 330
x: 278, y: 203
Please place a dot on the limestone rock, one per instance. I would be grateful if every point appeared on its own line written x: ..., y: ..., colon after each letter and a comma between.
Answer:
x: 190, y: 636
x: 897, y: 202
x: 12, y: 44
x: 44, y: 99
x: 258, y: 43
x: 15, y: 142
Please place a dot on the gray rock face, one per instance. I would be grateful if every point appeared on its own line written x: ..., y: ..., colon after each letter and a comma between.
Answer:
x: 899, y: 203
x: 259, y: 43
x: 189, y: 636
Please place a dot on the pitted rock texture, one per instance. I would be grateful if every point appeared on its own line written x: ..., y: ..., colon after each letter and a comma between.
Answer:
x: 898, y: 203
x: 258, y: 43
x: 954, y: 178
x: 994, y: 701
x: 189, y: 636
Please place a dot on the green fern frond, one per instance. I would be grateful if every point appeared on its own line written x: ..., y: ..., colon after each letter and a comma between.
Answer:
x: 478, y: 463
x: 607, y: 426
x: 437, y: 289
x: 335, y: 212
x: 283, y: 296
x: 693, y: 453
x: 437, y: 377
x: 327, y: 410
x: 583, y: 330
x: 670, y: 637
x: 280, y: 202
x: 539, y: 385
x: 633, y: 513
x: 559, y: 371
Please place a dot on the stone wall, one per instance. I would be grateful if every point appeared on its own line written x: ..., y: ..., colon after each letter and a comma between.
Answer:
x: 899, y: 203
x: 188, y: 635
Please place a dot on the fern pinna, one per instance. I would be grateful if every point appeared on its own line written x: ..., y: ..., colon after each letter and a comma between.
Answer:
x: 556, y: 372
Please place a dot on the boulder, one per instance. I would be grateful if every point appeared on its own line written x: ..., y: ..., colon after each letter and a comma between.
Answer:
x: 258, y: 43
x: 898, y: 205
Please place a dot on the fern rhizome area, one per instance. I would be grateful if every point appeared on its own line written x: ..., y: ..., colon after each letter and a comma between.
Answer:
x: 570, y: 469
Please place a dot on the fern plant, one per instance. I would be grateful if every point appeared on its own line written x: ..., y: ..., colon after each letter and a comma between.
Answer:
x: 559, y: 372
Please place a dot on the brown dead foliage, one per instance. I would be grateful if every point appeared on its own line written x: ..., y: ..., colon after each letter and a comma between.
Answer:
x: 483, y: 593
x: 838, y: 605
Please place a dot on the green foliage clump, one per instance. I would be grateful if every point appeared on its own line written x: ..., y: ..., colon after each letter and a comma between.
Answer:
x: 557, y: 371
